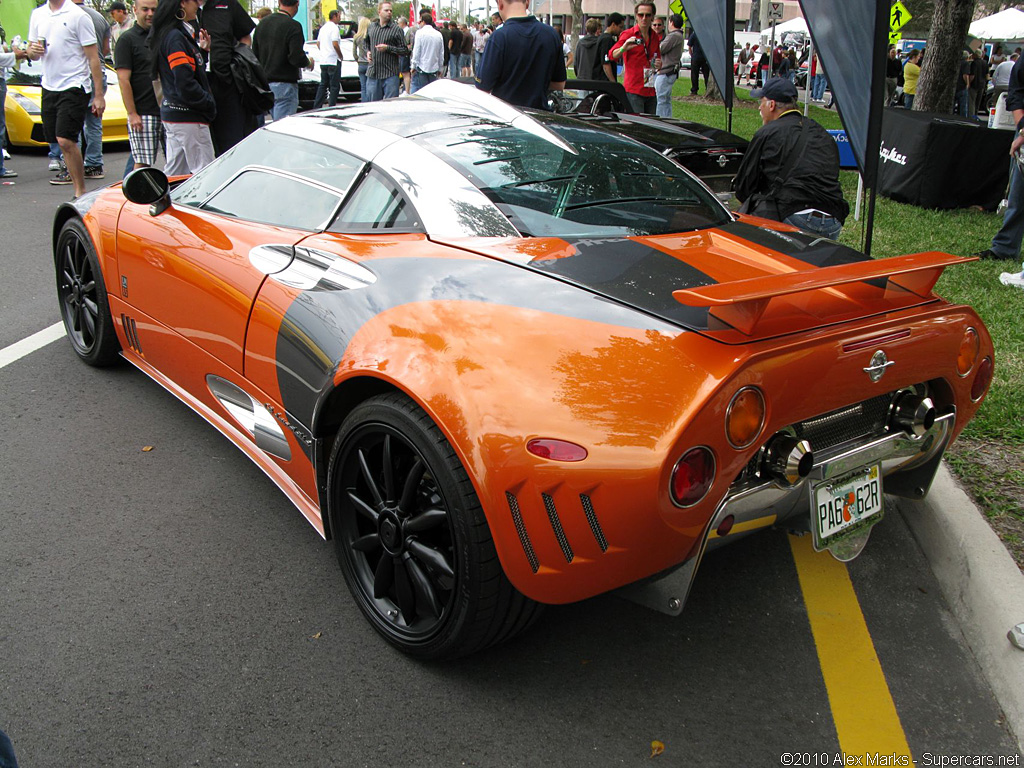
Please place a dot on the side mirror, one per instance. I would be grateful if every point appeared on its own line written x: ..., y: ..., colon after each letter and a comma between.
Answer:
x: 148, y: 186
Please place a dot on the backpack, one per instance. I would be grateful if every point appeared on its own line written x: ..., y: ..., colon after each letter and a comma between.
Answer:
x: 250, y: 80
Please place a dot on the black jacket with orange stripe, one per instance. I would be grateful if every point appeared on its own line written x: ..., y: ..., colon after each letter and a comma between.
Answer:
x: 187, y: 97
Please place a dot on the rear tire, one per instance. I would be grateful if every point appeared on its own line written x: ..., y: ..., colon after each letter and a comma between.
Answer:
x: 83, y: 297
x: 411, y: 538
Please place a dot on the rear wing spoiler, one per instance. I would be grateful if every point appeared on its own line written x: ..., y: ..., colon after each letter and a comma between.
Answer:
x: 741, y: 303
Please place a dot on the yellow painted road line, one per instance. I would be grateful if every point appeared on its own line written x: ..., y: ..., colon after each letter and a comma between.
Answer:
x: 862, y: 708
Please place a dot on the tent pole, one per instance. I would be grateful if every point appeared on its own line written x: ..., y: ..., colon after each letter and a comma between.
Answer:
x: 807, y: 82
x: 870, y: 222
x: 729, y: 129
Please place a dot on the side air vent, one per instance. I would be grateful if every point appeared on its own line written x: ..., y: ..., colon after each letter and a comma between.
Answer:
x: 131, y: 331
x: 524, y: 537
x: 595, y: 526
x: 253, y: 417
x: 556, y: 526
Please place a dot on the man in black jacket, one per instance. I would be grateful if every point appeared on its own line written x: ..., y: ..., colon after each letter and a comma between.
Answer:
x: 614, y: 24
x: 790, y: 171
x: 227, y: 23
x: 585, y: 60
x: 278, y: 45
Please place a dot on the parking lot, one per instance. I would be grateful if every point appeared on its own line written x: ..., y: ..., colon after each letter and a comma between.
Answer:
x: 162, y: 603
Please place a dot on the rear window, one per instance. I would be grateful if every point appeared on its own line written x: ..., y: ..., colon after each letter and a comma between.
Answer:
x: 610, y: 186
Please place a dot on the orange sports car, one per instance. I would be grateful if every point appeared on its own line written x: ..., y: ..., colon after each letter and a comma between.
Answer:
x: 507, y: 358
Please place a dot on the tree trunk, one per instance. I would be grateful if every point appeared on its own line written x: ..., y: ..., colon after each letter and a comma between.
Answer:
x: 754, y: 22
x: 576, y: 26
x: 943, y: 55
x: 712, y: 91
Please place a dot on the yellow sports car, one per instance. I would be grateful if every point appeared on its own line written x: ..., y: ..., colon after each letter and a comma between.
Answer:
x: 24, y: 94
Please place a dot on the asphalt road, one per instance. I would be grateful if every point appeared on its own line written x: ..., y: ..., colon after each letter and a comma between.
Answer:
x: 171, y: 608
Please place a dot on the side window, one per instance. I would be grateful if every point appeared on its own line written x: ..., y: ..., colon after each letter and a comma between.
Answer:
x: 268, y: 198
x: 301, y: 157
x: 376, y: 204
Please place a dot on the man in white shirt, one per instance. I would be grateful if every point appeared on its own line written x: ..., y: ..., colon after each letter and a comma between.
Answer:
x: 428, y: 53
x: 1001, y: 75
x: 329, y: 41
x: 63, y: 36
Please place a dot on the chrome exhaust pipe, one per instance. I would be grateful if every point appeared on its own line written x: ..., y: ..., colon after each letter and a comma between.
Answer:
x: 788, y: 459
x: 914, y: 414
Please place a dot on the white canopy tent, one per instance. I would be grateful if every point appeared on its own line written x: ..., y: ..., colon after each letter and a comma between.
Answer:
x: 793, y: 25
x: 1005, y: 25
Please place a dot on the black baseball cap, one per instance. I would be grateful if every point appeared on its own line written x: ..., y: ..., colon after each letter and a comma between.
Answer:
x: 776, y: 89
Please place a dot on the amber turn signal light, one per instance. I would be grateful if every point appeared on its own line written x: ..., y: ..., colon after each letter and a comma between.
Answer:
x: 744, y: 417
x: 970, y: 346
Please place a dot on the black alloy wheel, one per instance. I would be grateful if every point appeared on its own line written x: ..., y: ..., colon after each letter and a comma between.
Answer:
x: 411, y: 538
x: 83, y: 297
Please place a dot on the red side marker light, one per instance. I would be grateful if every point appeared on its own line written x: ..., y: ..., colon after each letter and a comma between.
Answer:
x: 557, y: 450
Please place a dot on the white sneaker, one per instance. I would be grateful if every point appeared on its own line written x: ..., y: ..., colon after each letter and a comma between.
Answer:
x: 7, y: 155
x: 1012, y: 278
x: 54, y: 164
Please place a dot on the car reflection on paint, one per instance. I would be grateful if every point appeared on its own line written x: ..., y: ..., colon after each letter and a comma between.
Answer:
x: 506, y: 358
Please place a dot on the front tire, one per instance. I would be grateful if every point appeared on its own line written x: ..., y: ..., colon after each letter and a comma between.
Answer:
x: 83, y: 297
x: 411, y: 538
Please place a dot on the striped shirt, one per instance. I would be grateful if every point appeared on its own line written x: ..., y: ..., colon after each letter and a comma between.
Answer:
x: 384, y: 64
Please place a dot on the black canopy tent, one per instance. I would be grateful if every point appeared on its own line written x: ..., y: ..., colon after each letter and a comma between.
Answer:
x: 714, y: 22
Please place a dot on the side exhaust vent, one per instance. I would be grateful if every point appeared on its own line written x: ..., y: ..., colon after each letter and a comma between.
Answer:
x: 595, y: 526
x: 524, y: 537
x: 132, y: 332
x: 556, y: 526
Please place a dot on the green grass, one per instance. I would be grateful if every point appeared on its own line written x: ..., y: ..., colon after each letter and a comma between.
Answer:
x: 900, y: 229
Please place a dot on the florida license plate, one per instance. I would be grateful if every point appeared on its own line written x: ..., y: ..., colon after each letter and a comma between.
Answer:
x: 846, y: 505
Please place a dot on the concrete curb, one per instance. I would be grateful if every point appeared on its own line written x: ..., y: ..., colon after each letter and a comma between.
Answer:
x: 980, y: 581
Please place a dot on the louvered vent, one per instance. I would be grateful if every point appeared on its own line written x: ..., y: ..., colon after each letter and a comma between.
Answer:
x: 131, y: 331
x: 524, y: 537
x: 556, y: 526
x: 595, y: 525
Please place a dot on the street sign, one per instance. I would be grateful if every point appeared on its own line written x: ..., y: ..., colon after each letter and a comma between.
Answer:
x: 676, y: 6
x: 898, y: 16
x: 774, y: 11
x: 895, y: 37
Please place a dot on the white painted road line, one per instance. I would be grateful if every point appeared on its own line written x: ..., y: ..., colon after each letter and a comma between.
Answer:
x: 27, y: 346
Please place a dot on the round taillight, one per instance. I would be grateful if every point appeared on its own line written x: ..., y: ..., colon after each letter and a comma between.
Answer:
x: 982, y: 379
x: 970, y: 346
x: 692, y: 476
x: 557, y: 450
x: 744, y: 417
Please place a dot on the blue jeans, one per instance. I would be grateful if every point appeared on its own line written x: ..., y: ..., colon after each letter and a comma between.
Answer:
x: 477, y: 56
x: 330, y: 83
x: 960, y: 103
x: 286, y: 99
x: 363, y: 93
x: 642, y: 105
x: 383, y: 88
x: 1006, y: 243
x: 824, y: 225
x: 818, y: 89
x: 419, y: 79
x: 663, y: 88
x: 7, y: 757
x: 908, y: 100
x: 455, y: 65
x: 92, y: 136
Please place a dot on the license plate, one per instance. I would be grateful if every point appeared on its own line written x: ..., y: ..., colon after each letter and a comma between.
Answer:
x: 846, y: 505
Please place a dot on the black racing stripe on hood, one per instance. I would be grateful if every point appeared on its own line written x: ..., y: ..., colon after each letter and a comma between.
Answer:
x: 812, y: 249
x: 633, y: 273
x: 319, y: 324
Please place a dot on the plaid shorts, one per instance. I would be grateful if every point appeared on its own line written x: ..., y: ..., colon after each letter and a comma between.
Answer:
x: 148, y: 141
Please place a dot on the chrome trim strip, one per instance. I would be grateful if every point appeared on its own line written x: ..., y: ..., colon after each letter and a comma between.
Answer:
x: 251, y: 416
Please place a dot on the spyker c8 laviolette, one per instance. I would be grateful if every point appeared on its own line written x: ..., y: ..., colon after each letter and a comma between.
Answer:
x: 508, y: 358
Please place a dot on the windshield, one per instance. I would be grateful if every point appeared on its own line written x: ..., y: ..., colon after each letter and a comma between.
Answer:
x: 610, y: 186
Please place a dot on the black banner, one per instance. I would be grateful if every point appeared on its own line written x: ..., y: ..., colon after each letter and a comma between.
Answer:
x: 851, y: 38
x: 714, y: 21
